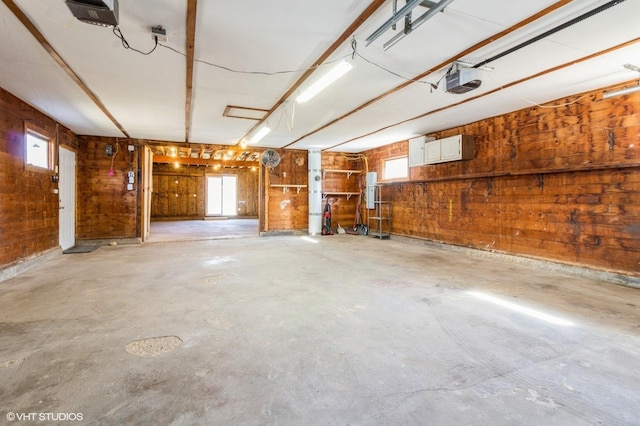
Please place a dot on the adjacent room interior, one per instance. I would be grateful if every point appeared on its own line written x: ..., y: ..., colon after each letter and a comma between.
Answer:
x: 362, y: 212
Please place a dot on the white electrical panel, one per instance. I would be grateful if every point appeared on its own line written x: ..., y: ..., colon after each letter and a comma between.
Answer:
x: 372, y: 181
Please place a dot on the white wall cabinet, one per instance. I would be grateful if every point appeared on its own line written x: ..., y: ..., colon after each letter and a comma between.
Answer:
x: 454, y: 148
x: 416, y: 151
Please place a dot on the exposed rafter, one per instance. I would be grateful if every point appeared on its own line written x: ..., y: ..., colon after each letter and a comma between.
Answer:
x: 502, y: 87
x: 63, y: 64
x: 192, y: 6
x: 370, y: 10
x: 202, y: 161
x: 441, y: 65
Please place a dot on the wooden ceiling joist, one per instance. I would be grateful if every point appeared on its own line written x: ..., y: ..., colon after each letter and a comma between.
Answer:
x: 192, y: 6
x: 63, y: 64
x: 502, y: 87
x: 202, y: 161
x: 441, y: 65
x: 366, y: 14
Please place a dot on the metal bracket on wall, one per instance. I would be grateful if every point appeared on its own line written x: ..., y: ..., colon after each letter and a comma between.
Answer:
x: 612, y: 139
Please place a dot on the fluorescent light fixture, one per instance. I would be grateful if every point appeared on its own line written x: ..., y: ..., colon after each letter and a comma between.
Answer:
x: 628, y: 90
x: 521, y: 309
x: 621, y: 92
x: 334, y: 73
x: 260, y: 134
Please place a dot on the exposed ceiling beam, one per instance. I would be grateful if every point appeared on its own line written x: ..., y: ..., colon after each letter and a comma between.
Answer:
x: 443, y: 64
x: 192, y: 6
x: 201, y: 161
x: 498, y: 89
x: 370, y: 10
x: 185, y: 144
x: 63, y: 64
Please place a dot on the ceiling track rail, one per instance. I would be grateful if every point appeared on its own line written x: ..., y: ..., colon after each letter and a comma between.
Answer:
x: 410, y: 25
x: 63, y: 64
x: 552, y: 31
x: 498, y: 89
x: 479, y: 45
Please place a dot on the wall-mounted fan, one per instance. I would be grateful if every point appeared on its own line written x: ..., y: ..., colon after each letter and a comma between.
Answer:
x: 270, y: 158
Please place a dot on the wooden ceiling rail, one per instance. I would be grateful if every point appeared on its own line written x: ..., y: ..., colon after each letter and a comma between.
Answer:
x: 498, y: 89
x: 63, y: 64
x: 366, y: 14
x: 192, y: 6
x: 441, y: 65
x: 203, y: 162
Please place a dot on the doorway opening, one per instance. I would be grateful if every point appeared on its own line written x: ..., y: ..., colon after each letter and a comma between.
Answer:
x: 222, y: 195
x: 192, y: 202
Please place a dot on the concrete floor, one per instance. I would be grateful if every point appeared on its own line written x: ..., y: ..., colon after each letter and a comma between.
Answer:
x: 210, y: 229
x: 328, y: 330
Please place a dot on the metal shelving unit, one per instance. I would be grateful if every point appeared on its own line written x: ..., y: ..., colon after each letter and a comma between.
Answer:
x: 379, y: 218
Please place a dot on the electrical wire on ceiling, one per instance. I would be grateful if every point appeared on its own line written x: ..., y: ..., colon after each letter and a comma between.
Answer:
x: 355, y: 53
x: 118, y: 33
x: 413, y: 80
x: 537, y: 104
x: 267, y: 73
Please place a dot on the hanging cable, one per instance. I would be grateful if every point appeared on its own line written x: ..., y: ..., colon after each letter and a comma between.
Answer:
x: 356, y: 157
x: 118, y: 33
x: 354, y: 48
x: 354, y: 53
x: 222, y: 67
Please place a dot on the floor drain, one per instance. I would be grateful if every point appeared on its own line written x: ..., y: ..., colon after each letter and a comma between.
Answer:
x: 213, y: 280
x: 153, y: 346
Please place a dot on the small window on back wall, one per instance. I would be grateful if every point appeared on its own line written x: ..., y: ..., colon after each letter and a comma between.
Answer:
x: 396, y: 168
x: 38, y: 150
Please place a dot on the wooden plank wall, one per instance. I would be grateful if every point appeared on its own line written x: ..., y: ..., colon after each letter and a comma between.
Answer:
x: 287, y: 210
x: 190, y: 190
x: 560, y: 183
x: 343, y: 208
x: 28, y: 206
x: 105, y: 208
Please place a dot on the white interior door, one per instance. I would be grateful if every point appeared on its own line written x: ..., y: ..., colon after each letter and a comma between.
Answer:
x: 67, y: 196
x: 222, y: 192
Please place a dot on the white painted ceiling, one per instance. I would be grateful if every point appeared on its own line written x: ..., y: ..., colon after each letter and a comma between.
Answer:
x: 146, y: 93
